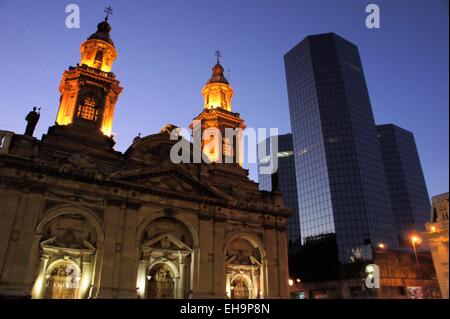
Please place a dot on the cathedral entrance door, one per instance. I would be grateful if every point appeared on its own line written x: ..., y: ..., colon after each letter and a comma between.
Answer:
x: 239, y: 288
x: 161, y: 284
x: 61, y: 283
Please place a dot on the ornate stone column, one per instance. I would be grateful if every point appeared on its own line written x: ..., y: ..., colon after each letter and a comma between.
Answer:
x: 256, y: 283
x: 182, y: 283
x: 97, y: 269
x: 141, y: 278
x: 264, y: 285
x: 195, y: 270
x: 40, y: 283
x: 85, y: 281
x: 228, y: 284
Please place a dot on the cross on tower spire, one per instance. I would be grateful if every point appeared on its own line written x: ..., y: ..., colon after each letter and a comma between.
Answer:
x: 109, y: 11
x: 218, y: 54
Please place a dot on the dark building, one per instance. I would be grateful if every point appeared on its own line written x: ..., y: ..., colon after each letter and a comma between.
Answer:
x: 284, y: 181
x: 409, y: 195
x: 400, y: 278
x: 341, y: 183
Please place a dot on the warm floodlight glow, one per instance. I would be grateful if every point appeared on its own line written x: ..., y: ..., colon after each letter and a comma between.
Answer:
x: 415, y: 239
x: 217, y: 95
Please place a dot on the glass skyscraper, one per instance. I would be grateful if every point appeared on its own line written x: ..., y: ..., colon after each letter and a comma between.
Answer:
x: 341, y: 183
x: 284, y: 178
x: 409, y: 194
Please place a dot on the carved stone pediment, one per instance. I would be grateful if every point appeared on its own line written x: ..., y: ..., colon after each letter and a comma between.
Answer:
x: 166, y: 242
x: 56, y: 244
x: 170, y: 179
x: 172, y: 184
x: 241, y: 259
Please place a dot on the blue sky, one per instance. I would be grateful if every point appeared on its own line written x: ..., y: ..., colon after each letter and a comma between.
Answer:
x: 166, y: 50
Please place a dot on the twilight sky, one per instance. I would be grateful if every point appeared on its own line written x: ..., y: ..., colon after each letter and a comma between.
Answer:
x: 166, y: 50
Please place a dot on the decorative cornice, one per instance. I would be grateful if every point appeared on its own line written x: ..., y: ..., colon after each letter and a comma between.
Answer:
x: 92, y: 178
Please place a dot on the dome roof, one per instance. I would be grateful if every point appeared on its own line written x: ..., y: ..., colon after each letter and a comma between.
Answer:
x: 154, y: 148
x: 103, y: 29
x: 217, y: 76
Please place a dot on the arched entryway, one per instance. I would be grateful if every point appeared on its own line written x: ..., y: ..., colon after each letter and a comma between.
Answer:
x: 166, y: 259
x: 160, y: 282
x: 67, y: 239
x: 245, y: 267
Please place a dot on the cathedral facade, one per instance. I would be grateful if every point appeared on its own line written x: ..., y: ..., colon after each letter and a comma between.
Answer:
x: 82, y: 220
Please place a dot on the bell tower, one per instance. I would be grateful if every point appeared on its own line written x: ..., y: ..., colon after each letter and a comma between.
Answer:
x: 90, y: 90
x: 217, y: 116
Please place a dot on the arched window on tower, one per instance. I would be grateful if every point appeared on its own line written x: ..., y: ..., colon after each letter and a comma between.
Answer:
x: 98, y: 60
x: 88, y: 109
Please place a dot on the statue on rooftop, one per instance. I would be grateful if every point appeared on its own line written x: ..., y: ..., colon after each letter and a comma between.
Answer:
x: 32, y: 118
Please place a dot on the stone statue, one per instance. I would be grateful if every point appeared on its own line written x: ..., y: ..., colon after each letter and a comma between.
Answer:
x: 32, y: 119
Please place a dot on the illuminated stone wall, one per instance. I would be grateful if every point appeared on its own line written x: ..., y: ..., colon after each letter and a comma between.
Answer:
x: 75, y: 220
x: 437, y: 233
